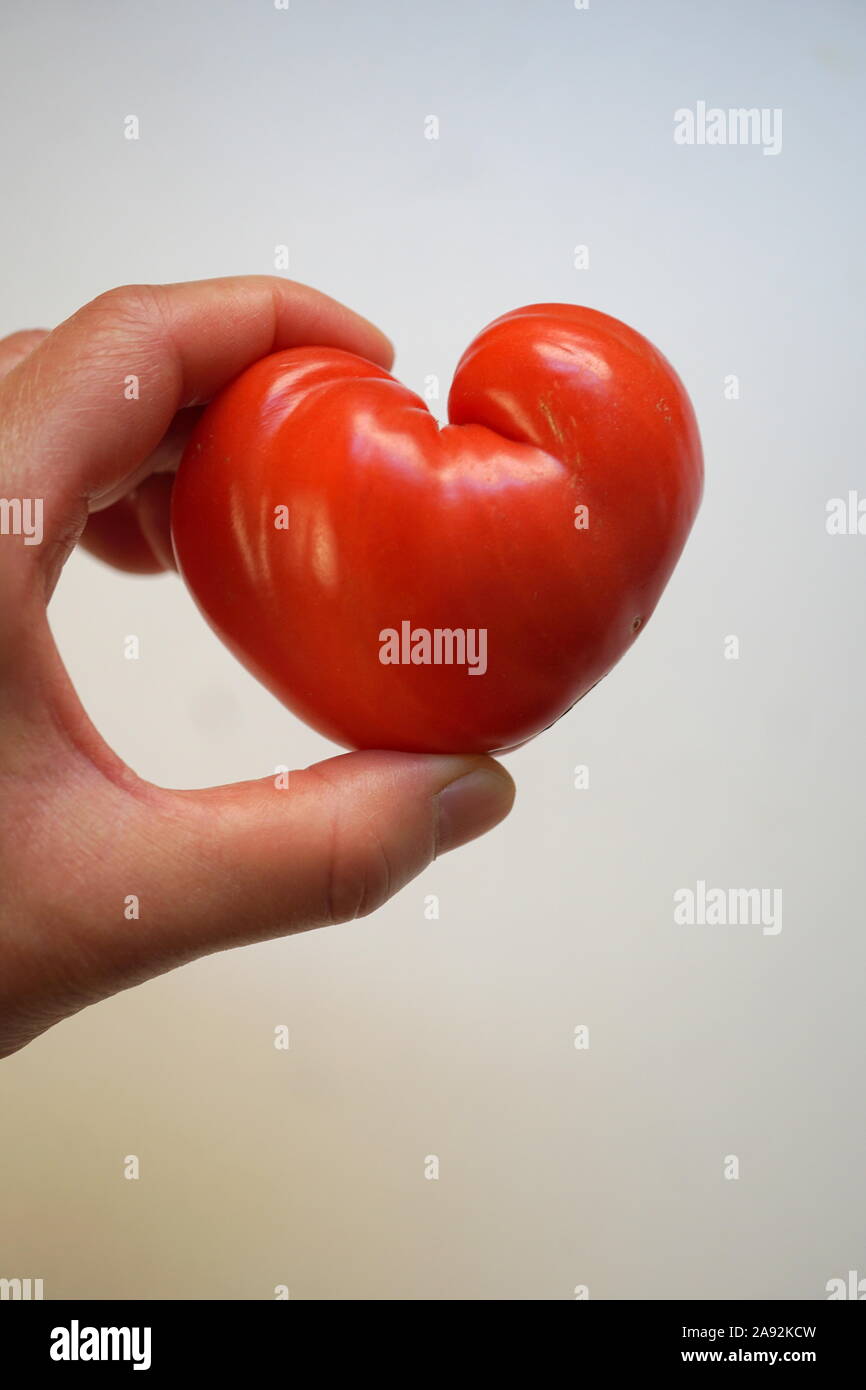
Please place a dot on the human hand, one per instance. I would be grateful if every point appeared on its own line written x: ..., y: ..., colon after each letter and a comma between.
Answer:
x: 79, y: 830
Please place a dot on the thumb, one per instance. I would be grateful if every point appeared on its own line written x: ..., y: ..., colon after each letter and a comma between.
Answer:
x: 231, y: 865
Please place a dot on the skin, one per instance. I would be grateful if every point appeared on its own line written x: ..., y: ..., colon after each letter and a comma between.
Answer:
x: 79, y: 830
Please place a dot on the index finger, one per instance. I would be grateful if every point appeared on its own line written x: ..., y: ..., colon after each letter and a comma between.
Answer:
x: 89, y: 405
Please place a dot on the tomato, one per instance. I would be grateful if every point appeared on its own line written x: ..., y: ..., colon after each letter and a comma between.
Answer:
x: 401, y: 584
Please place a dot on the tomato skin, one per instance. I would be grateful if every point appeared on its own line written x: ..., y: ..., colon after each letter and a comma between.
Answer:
x: 471, y: 526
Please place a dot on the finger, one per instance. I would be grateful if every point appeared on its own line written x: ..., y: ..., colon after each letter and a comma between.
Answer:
x: 18, y: 346
x: 93, y: 401
x: 261, y: 858
x: 232, y: 865
x: 153, y: 505
x: 115, y: 536
x: 134, y: 533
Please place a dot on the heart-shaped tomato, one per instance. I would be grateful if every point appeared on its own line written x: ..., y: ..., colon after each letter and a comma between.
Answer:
x: 401, y: 584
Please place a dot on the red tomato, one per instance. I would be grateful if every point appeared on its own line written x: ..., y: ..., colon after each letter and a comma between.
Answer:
x: 345, y: 546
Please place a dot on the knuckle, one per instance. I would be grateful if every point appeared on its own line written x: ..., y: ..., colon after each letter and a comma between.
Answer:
x: 359, y: 880
x: 125, y: 305
x: 359, y: 874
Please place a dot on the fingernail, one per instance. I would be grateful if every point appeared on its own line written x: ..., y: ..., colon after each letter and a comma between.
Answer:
x: 473, y: 804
